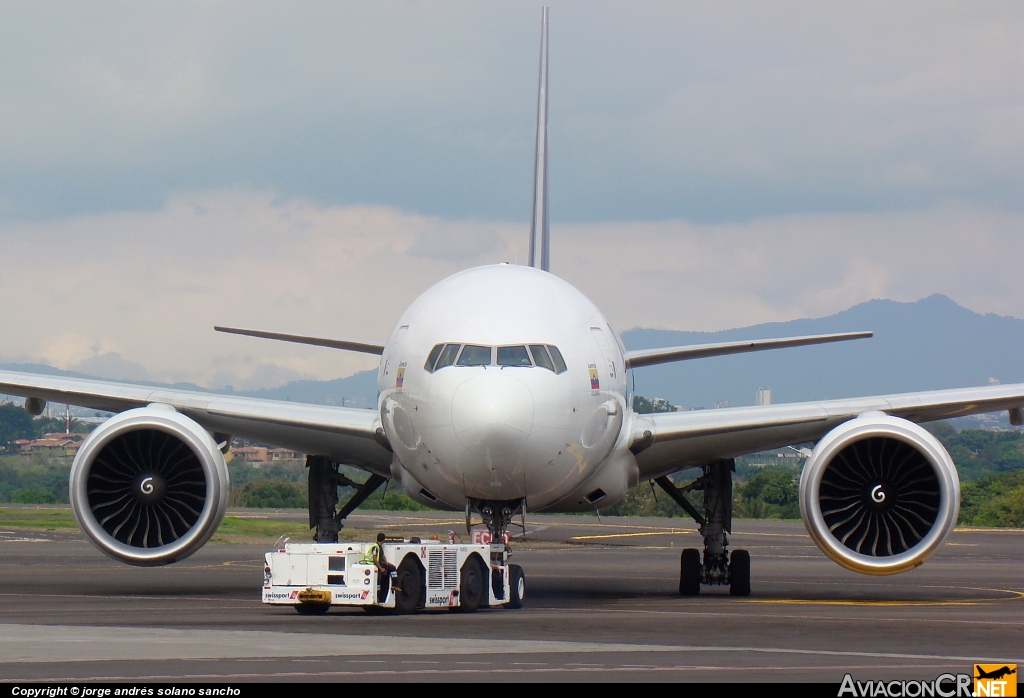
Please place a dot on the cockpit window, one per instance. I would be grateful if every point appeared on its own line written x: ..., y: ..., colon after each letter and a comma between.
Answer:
x: 556, y: 358
x: 543, y: 355
x: 513, y: 356
x: 540, y: 356
x: 473, y: 355
x: 447, y: 356
x: 432, y: 358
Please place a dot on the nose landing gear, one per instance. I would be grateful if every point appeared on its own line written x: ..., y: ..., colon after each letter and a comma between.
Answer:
x: 496, y: 514
x: 719, y: 567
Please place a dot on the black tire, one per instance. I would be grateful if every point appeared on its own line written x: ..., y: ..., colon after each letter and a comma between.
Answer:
x: 313, y: 609
x: 689, y: 572
x: 410, y: 586
x: 472, y: 585
x: 739, y: 573
x: 517, y: 587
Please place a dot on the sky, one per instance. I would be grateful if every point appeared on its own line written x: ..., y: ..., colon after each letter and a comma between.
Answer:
x: 313, y: 167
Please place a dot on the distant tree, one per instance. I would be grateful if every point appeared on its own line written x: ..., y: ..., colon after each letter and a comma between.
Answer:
x: 394, y: 500
x: 941, y: 430
x: 34, y: 497
x: 642, y: 405
x: 996, y: 500
x: 15, y: 423
x: 772, y: 493
x: 273, y: 494
x: 646, y: 500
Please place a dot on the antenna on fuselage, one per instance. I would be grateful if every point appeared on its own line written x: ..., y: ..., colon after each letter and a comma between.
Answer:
x: 540, y: 238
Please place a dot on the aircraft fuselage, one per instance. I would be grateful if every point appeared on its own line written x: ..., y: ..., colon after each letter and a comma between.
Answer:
x: 505, y: 382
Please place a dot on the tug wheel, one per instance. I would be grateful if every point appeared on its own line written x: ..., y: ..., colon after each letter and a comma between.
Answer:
x: 517, y: 586
x: 473, y: 583
x: 409, y: 583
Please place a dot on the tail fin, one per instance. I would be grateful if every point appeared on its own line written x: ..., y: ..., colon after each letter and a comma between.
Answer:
x: 540, y: 238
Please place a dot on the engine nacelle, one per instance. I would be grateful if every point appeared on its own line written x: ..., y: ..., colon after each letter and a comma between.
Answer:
x: 149, y: 486
x: 879, y: 494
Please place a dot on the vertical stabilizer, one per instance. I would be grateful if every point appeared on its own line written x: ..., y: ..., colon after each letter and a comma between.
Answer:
x: 540, y: 239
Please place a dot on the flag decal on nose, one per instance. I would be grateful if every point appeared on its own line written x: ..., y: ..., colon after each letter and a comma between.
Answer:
x: 595, y: 382
x: 400, y: 376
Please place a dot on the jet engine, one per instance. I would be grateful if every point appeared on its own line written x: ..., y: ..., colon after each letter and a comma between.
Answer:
x: 879, y: 494
x: 149, y: 486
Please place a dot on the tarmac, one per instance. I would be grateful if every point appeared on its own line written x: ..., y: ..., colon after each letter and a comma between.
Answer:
x: 601, y: 605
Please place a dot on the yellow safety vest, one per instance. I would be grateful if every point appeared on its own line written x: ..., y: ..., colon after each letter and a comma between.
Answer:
x: 371, y: 555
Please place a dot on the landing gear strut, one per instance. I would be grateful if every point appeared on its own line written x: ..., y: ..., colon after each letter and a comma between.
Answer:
x: 719, y: 567
x: 496, y: 514
x: 324, y: 481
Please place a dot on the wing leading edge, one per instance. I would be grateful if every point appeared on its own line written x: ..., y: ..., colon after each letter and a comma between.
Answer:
x: 671, y: 441
x: 346, y: 344
x: 347, y: 434
x: 650, y: 357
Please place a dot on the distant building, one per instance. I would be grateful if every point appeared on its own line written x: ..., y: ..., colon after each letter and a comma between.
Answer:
x: 58, y: 444
x: 260, y: 455
x: 252, y: 454
x: 763, y: 396
x: 722, y: 403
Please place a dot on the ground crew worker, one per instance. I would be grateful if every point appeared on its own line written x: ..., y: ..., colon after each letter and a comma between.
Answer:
x: 375, y: 556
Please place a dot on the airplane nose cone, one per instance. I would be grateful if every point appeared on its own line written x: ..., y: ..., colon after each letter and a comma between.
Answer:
x: 493, y: 414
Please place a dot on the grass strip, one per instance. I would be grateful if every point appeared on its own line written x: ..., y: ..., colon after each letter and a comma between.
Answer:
x: 43, y: 519
x: 232, y: 530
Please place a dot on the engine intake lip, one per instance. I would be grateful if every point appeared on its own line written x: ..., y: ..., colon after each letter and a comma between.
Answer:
x: 869, y: 515
x: 191, y: 486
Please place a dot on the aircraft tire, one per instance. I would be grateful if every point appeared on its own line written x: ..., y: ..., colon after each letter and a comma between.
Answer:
x: 517, y: 586
x: 739, y: 573
x: 689, y: 572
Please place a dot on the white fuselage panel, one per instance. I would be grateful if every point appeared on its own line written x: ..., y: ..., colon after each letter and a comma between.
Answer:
x: 501, y: 432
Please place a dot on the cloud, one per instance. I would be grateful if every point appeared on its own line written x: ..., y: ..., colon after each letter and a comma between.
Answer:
x: 136, y: 294
x: 682, y: 275
x: 148, y: 287
x: 263, y: 375
x: 661, y: 110
x: 112, y: 365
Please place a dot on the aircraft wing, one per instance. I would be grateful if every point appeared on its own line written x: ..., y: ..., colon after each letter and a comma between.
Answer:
x: 666, y: 442
x: 347, y: 434
x: 663, y: 355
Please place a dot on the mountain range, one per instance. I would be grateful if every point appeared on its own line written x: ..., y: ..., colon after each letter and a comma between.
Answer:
x: 929, y: 344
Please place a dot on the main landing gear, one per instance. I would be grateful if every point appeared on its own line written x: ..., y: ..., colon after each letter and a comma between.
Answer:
x: 324, y: 481
x: 719, y: 567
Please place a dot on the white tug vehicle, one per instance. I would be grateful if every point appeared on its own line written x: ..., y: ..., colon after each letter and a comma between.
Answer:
x: 430, y: 574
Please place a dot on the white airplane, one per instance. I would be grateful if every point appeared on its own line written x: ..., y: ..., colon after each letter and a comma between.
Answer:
x: 503, y: 388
